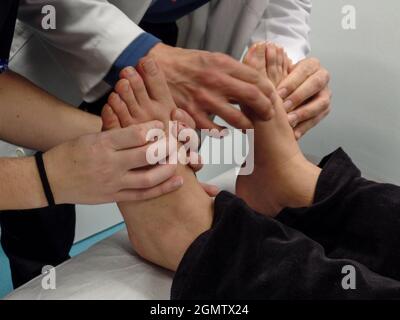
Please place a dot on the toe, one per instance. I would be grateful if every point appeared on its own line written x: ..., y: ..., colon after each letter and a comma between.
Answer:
x: 280, y: 64
x: 137, y: 85
x: 271, y: 58
x: 256, y: 57
x: 123, y: 88
x: 110, y: 120
x: 155, y: 82
x: 120, y: 109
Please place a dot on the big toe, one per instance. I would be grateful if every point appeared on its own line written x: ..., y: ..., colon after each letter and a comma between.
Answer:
x: 256, y: 57
x: 156, y: 83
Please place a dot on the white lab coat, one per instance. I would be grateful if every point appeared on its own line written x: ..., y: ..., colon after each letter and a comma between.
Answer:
x: 71, y: 61
x: 91, y: 34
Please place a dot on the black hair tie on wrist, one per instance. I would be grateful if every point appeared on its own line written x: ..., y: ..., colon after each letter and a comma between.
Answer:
x: 45, y: 180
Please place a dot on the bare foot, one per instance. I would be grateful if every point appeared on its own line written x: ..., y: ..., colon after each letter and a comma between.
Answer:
x: 161, y: 229
x: 282, y: 176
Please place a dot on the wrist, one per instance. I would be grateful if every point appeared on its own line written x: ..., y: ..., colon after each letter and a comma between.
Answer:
x: 55, y: 176
x: 38, y: 199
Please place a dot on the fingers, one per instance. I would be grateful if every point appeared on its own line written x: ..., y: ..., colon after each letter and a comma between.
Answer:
x: 232, y: 67
x: 308, y: 89
x: 120, y: 109
x: 150, y: 154
x: 166, y: 187
x: 137, y: 85
x: 204, y: 122
x: 148, y: 178
x: 226, y: 68
x: 304, y: 127
x: 312, y: 109
x: 230, y: 114
x: 155, y: 81
x: 133, y: 136
x: 110, y: 120
x: 244, y: 93
x: 181, y: 115
x: 211, y: 190
x: 301, y: 72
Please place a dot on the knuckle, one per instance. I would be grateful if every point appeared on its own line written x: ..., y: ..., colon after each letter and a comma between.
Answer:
x: 219, y: 59
x: 328, y: 111
x: 295, y: 98
x: 314, y: 62
x: 325, y: 103
x: 236, y: 117
x: 205, y: 59
x: 319, y: 81
x: 327, y: 75
x: 201, y: 95
x: 147, y: 180
x: 303, y: 115
x: 251, y: 94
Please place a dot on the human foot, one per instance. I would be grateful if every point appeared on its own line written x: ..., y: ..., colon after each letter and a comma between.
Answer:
x: 282, y: 176
x: 161, y: 229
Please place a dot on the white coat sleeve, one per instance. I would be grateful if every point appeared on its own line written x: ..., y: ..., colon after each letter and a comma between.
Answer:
x: 89, y: 36
x: 286, y: 22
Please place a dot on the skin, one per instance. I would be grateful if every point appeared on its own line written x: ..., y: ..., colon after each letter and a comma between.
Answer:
x: 162, y: 229
x: 306, y: 95
x: 75, y: 161
x: 204, y: 84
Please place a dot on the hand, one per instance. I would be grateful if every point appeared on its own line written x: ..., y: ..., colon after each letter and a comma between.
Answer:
x: 204, y: 83
x: 183, y: 117
x: 306, y: 95
x: 109, y: 167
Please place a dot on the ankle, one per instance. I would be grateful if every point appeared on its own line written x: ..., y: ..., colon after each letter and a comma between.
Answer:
x: 161, y: 230
x: 296, y: 182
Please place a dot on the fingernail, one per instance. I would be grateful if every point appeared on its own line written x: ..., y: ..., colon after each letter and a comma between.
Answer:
x: 293, y: 119
x: 179, y: 115
x: 283, y: 93
x: 150, y: 67
x: 178, y: 182
x: 288, y: 105
x: 298, y: 135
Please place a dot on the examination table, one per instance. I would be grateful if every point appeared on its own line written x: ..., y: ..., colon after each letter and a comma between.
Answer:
x: 109, y: 270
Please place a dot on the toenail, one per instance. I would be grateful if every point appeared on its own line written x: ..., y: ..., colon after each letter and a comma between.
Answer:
x: 260, y: 50
x: 150, y: 67
x: 130, y: 71
x: 125, y: 86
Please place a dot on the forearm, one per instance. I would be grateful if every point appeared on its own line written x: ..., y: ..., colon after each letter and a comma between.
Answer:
x: 20, y: 185
x: 32, y: 118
